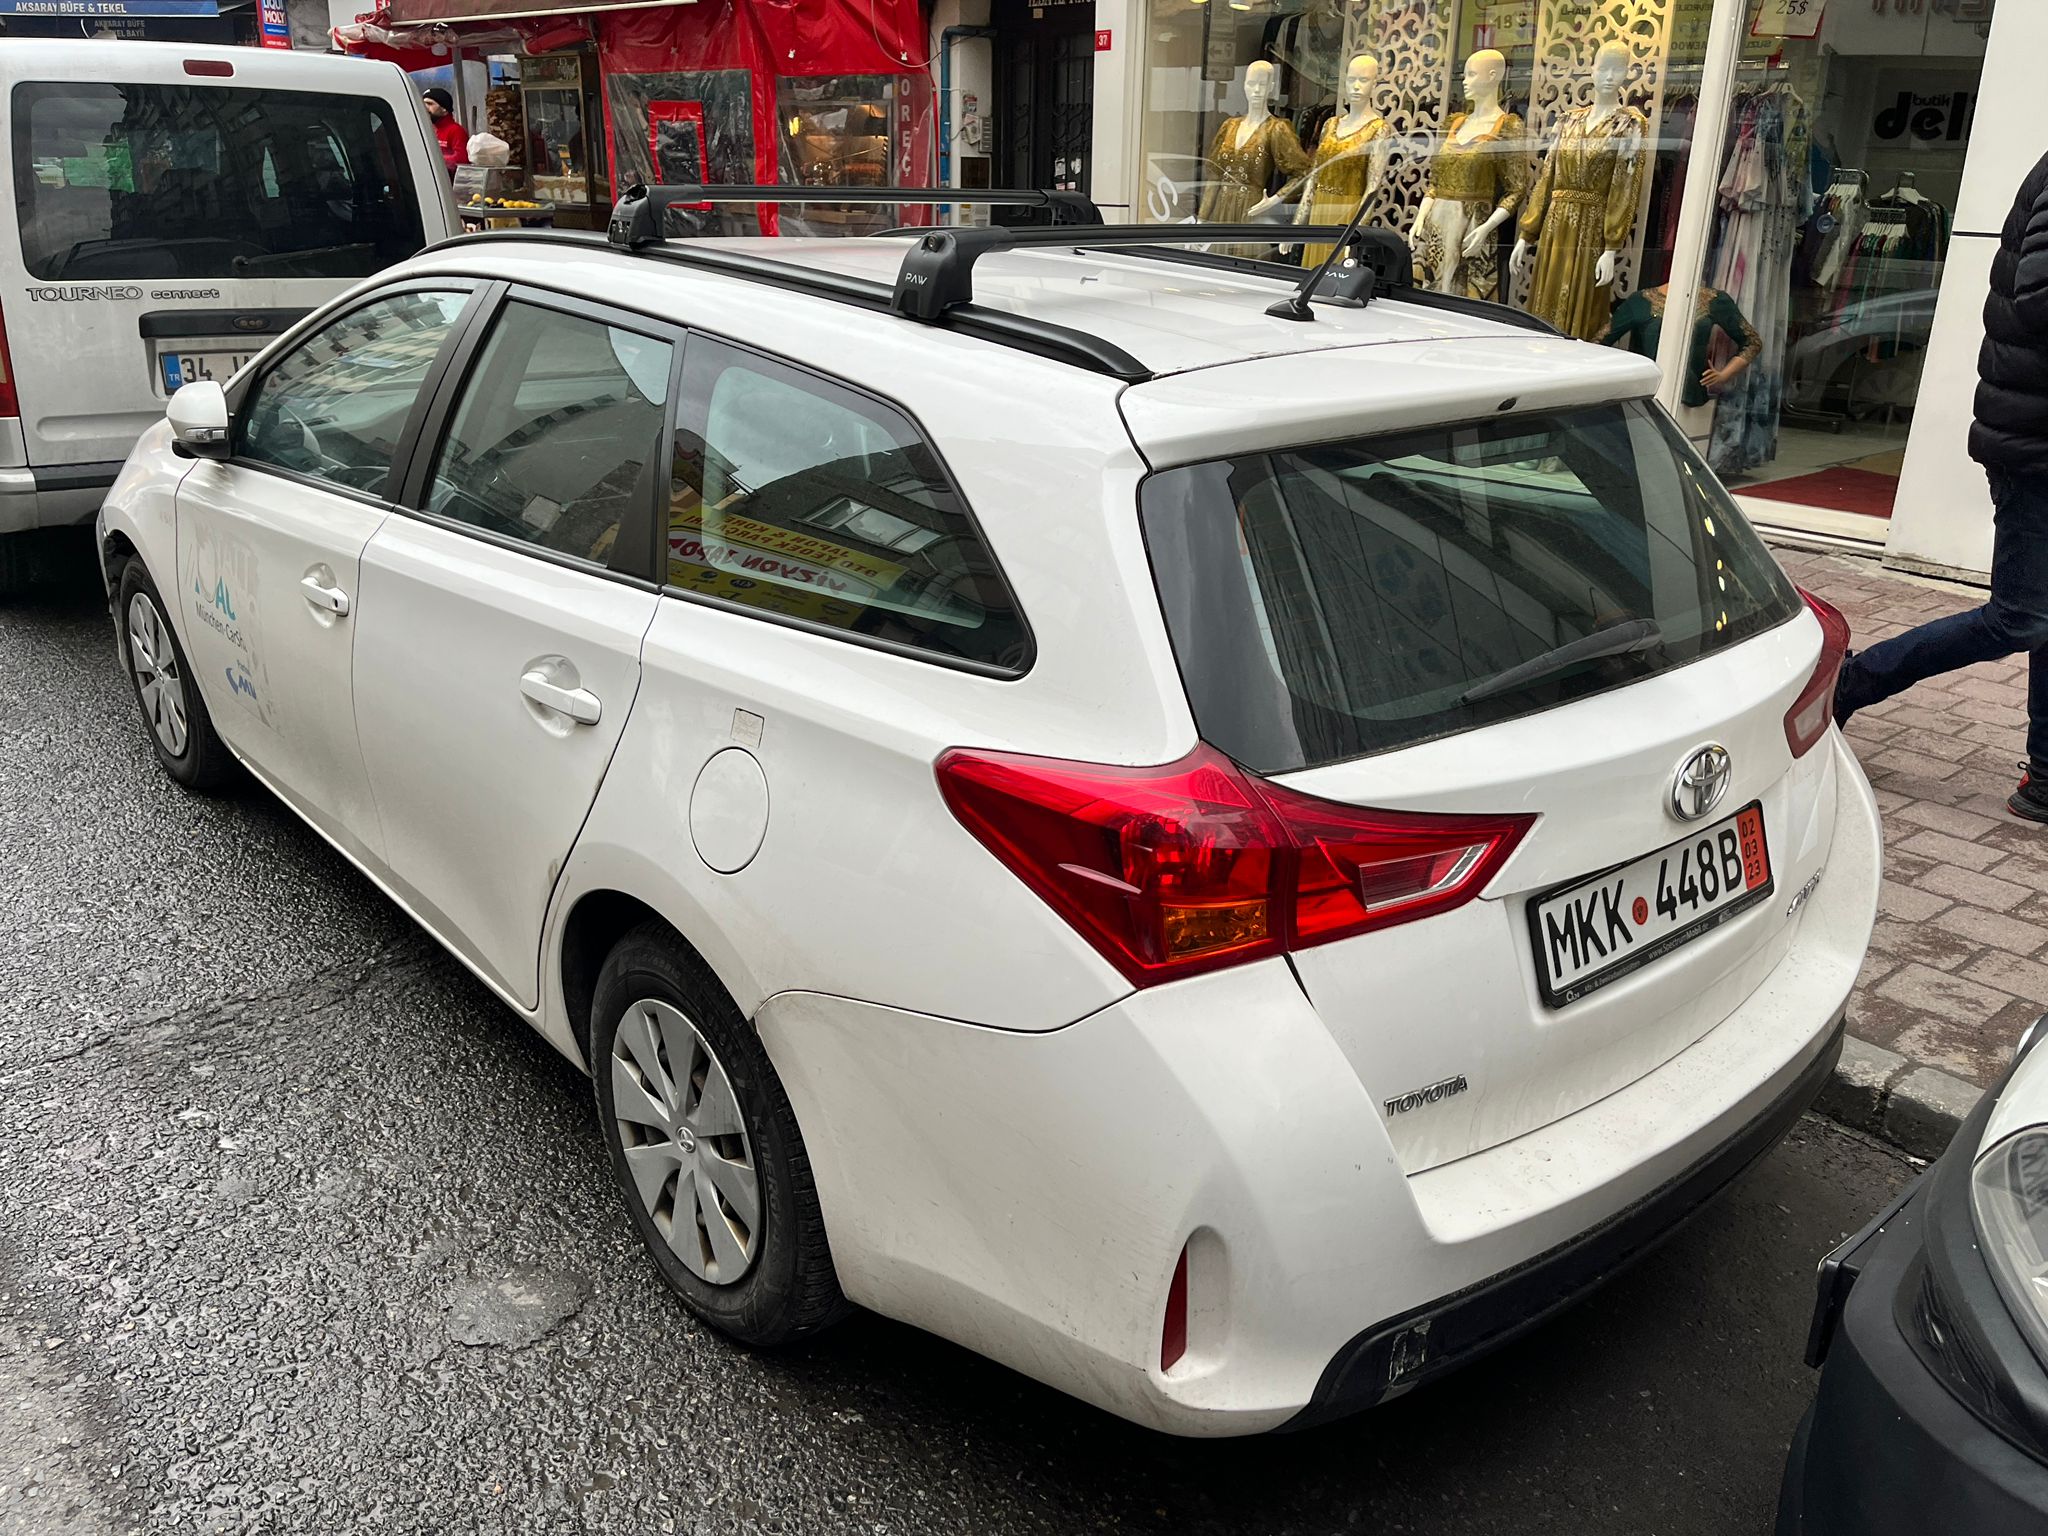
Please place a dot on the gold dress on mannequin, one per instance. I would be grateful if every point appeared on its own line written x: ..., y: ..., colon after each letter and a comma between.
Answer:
x: 1467, y: 182
x: 1584, y: 203
x: 1346, y: 170
x: 1242, y: 173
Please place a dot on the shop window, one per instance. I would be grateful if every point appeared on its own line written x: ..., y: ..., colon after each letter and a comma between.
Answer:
x: 1517, y: 143
x: 837, y: 131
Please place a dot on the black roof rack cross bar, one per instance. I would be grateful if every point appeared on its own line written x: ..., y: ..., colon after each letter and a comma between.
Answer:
x: 1025, y: 333
x: 938, y: 271
x: 638, y: 218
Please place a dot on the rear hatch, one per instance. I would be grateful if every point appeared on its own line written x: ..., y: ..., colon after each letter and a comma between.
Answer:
x: 1556, y: 615
x: 175, y: 208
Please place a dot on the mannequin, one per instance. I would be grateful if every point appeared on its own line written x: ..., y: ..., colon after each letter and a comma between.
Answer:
x: 1247, y: 153
x: 1475, y: 184
x: 1350, y: 160
x: 1584, y: 204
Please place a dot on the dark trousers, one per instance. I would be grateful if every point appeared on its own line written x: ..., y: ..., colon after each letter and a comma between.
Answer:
x: 2016, y: 619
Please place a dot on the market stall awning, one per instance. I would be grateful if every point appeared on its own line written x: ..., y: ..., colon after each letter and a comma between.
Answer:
x: 410, y: 13
x: 109, y: 8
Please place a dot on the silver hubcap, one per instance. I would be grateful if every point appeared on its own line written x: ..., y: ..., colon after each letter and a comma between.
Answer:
x: 157, y: 678
x: 685, y: 1143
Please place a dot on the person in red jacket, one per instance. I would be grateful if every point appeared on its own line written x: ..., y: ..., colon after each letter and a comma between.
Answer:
x: 454, y: 139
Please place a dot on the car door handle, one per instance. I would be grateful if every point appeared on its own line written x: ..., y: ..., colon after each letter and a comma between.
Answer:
x: 579, y: 704
x: 329, y: 599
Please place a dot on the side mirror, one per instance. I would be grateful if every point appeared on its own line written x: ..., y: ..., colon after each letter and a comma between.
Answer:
x: 198, y: 415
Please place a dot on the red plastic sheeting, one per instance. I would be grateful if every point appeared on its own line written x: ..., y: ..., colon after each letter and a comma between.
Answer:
x: 767, y: 39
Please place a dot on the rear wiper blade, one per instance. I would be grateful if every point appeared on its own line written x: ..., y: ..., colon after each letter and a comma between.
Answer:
x: 1616, y: 640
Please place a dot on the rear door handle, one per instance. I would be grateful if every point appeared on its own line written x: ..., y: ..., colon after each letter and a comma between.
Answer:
x: 329, y: 599
x: 579, y: 704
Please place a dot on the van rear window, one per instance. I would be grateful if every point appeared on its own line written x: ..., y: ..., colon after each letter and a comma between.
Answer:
x: 152, y: 182
x: 1353, y: 597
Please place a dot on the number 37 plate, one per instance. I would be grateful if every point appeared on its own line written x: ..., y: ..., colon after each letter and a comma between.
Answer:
x: 1600, y: 930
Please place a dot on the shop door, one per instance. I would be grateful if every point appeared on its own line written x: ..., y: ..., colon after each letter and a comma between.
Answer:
x: 1045, y: 97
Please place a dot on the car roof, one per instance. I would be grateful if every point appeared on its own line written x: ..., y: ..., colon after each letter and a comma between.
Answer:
x: 1224, y: 376
x: 120, y: 60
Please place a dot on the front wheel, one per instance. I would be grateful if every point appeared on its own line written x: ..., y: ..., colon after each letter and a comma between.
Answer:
x: 172, y: 711
x: 705, y: 1146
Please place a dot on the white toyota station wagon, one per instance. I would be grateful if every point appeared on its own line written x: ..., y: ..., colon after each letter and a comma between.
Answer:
x: 1229, y: 854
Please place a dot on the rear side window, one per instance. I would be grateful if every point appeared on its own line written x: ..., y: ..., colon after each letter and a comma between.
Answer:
x: 557, y: 435
x: 1353, y: 597
x: 802, y: 499
x: 156, y: 182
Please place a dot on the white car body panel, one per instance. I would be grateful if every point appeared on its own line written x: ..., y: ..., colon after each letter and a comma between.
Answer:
x: 1011, y: 1144
x: 482, y: 791
x: 962, y: 1170
x: 277, y: 673
x: 82, y: 369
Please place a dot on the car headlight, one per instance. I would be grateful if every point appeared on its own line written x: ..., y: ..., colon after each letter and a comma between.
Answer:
x: 2009, y: 1198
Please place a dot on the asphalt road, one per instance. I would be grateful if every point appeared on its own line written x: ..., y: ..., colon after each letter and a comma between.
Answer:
x: 301, y: 1231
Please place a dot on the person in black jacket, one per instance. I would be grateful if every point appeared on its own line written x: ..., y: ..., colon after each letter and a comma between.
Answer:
x: 2010, y: 439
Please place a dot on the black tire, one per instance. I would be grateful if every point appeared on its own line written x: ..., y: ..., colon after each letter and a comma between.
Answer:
x: 203, y: 762
x: 788, y: 1289
x: 14, y: 564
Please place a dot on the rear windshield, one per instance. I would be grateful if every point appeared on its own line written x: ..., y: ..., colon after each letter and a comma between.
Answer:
x: 1352, y: 597
x: 155, y: 182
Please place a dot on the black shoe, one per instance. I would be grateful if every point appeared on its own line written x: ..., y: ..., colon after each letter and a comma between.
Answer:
x: 2031, y: 798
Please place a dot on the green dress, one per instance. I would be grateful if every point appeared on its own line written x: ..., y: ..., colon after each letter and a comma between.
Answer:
x: 1638, y: 323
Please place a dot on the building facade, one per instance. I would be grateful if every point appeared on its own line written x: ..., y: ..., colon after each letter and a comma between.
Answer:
x: 1816, y: 185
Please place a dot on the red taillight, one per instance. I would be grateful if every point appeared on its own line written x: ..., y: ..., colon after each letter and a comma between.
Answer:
x: 1173, y: 1332
x: 10, y: 402
x: 1812, y: 712
x: 216, y: 67
x: 1182, y: 868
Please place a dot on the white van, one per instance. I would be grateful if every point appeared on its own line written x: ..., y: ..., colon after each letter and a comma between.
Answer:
x: 173, y: 208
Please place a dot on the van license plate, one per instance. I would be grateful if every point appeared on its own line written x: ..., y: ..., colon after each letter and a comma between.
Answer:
x: 1602, y: 929
x: 177, y: 369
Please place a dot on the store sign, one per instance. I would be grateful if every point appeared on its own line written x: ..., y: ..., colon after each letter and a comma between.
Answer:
x: 276, y: 27
x: 1219, y: 44
x: 1943, y: 118
x: 1789, y: 18
x: 108, y: 8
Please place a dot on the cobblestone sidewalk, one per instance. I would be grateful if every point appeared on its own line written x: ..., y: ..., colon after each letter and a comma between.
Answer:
x: 1959, y: 962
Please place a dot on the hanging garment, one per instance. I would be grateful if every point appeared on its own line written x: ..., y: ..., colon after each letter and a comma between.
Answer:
x: 1467, y: 182
x: 1760, y: 197
x: 1583, y: 205
x: 1241, y: 173
x: 1347, y: 170
x: 1638, y: 326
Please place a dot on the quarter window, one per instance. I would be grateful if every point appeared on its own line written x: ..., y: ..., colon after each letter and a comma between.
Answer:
x: 336, y: 405
x: 799, y: 498
x: 558, y: 434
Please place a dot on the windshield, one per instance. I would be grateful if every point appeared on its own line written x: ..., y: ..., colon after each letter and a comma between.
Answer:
x: 1353, y: 597
x: 190, y: 181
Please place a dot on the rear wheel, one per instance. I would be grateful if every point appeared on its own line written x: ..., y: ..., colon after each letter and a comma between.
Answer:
x: 172, y: 710
x: 705, y: 1146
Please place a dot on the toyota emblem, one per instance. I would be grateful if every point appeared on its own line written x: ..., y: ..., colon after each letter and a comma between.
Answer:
x: 1702, y: 781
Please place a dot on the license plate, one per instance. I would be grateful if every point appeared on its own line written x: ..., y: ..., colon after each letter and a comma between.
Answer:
x: 1601, y: 929
x: 177, y: 369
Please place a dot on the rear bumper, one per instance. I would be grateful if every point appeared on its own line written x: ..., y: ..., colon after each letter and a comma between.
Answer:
x: 1028, y: 1195
x: 1458, y: 1329
x: 1905, y: 1438
x: 53, y: 496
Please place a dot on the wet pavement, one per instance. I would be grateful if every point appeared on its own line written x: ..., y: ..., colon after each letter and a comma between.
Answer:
x: 301, y: 1231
